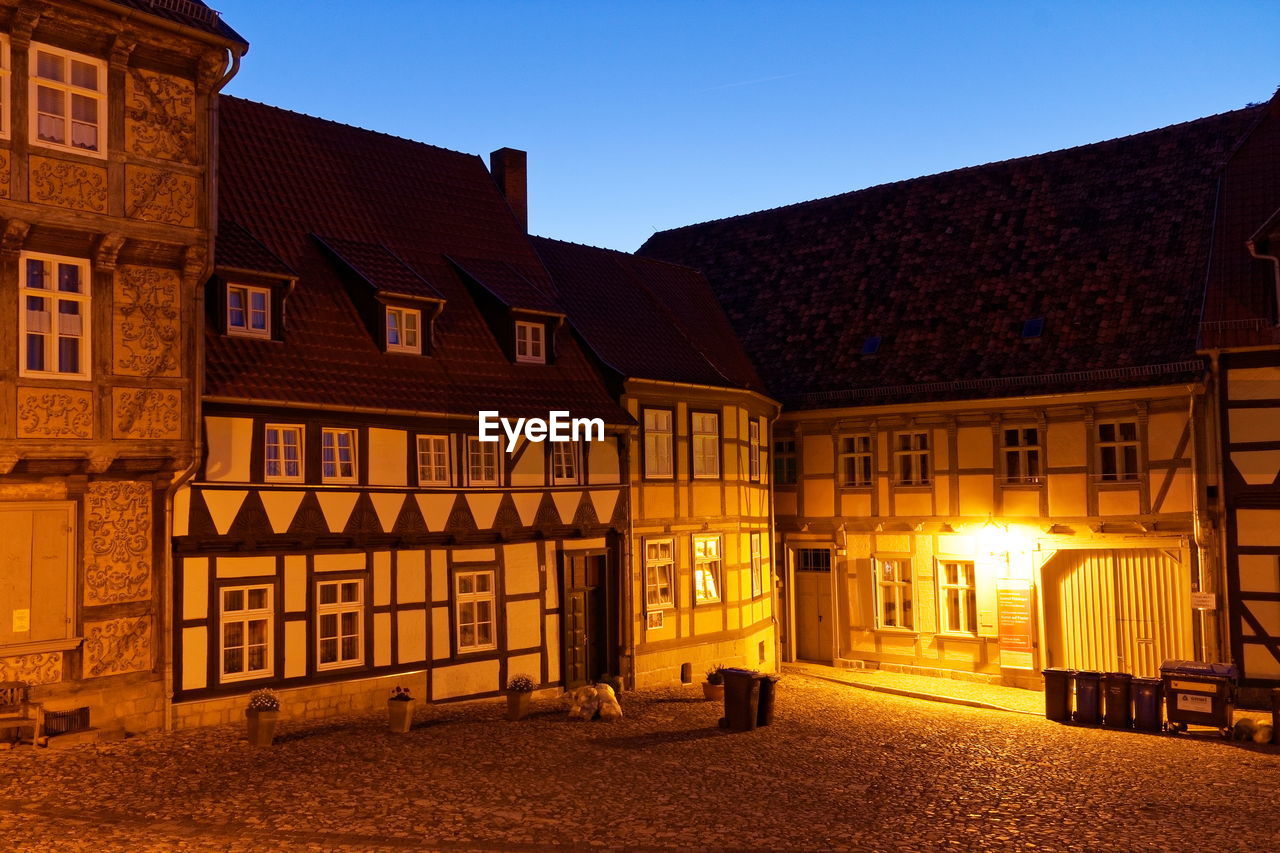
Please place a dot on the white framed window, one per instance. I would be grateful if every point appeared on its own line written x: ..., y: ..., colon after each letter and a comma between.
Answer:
x: 6, y: 67
x: 338, y: 455
x: 1118, y: 457
x: 957, y: 597
x: 55, y: 320
x: 404, y: 327
x: 531, y: 346
x: 1022, y: 455
x: 482, y: 462
x: 659, y: 573
x: 706, y: 444
x: 706, y: 568
x: 248, y: 311
x: 282, y: 452
x: 757, y: 566
x: 433, y: 460
x: 564, y: 462
x: 68, y: 100
x: 658, y: 443
x: 784, y: 462
x: 339, y: 624
x: 246, y: 615
x: 911, y: 459
x: 474, y: 599
x: 753, y: 450
x: 855, y: 461
x: 894, y: 588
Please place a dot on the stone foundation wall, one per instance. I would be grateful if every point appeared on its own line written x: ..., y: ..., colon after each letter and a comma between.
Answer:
x: 657, y: 668
x: 132, y: 704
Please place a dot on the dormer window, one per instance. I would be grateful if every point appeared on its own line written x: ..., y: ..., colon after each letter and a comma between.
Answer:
x: 68, y: 100
x: 248, y: 311
x: 403, y: 330
x: 531, y: 347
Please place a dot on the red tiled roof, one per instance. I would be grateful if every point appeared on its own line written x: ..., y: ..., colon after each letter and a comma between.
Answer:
x: 1108, y: 243
x: 191, y: 13
x: 512, y: 287
x: 285, y: 176
x: 647, y: 319
x: 1240, y: 306
x: 380, y: 268
x: 239, y: 250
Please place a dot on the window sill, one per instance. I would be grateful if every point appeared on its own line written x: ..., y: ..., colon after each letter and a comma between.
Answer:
x: 897, y: 632
x: 37, y: 145
x: 40, y: 646
x: 957, y: 635
x: 913, y: 487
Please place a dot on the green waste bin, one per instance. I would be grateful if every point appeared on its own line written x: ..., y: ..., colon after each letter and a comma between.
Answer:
x: 1088, y: 697
x: 741, y: 699
x: 1275, y: 715
x: 1116, y: 699
x: 1147, y: 693
x: 1057, y: 694
x: 768, y: 690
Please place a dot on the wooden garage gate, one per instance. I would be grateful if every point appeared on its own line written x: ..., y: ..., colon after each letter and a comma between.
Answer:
x: 1120, y: 610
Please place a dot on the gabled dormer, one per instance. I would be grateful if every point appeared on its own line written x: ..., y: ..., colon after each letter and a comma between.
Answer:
x: 522, y: 314
x: 250, y: 288
x: 399, y: 306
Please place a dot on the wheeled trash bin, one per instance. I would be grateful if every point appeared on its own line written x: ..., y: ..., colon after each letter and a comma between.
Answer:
x: 768, y: 693
x: 1057, y: 694
x: 1146, y: 704
x: 1088, y: 697
x: 1199, y: 693
x: 1116, y: 700
x: 741, y: 699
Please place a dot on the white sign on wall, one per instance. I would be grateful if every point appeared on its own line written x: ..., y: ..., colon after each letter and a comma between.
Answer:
x: 1204, y: 601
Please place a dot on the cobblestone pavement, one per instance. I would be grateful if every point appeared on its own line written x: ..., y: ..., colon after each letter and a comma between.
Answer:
x: 1012, y: 698
x: 840, y: 769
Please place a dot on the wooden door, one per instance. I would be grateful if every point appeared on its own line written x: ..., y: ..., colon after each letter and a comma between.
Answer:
x: 814, y: 619
x: 585, y: 638
x: 36, y: 568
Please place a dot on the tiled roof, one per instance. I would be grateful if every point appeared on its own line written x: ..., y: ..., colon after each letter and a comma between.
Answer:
x: 1107, y: 243
x: 239, y: 250
x: 380, y: 268
x: 512, y: 287
x: 285, y: 176
x: 190, y: 13
x: 1240, y: 306
x: 647, y: 319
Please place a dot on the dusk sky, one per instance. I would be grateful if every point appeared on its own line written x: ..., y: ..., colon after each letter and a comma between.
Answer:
x: 644, y: 116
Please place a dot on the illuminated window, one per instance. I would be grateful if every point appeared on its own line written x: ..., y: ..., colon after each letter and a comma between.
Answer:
x: 246, y: 617
x: 433, y: 460
x: 753, y: 450
x: 282, y: 452
x: 482, y: 462
x: 474, y: 610
x: 339, y: 624
x: 911, y: 459
x: 855, y: 460
x: 54, y: 322
x: 403, y: 325
x: 1022, y: 455
x: 813, y: 559
x: 1118, y: 451
x: 894, y: 594
x: 564, y: 462
x: 68, y: 101
x: 659, y: 573
x: 248, y: 311
x: 784, y: 462
x: 338, y: 455
x: 706, y: 568
x: 706, y: 444
x: 957, y: 599
x: 757, y: 567
x: 530, y: 342
x: 657, y: 443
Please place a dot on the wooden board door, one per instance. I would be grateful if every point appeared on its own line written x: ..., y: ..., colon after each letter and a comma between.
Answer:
x: 814, y: 619
x: 584, y: 619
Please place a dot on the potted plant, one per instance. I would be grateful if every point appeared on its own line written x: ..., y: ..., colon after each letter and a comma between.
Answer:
x: 400, y: 710
x: 261, y: 715
x: 519, y: 688
x: 713, y: 687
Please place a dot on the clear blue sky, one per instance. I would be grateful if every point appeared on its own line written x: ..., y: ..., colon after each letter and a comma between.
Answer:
x: 648, y: 115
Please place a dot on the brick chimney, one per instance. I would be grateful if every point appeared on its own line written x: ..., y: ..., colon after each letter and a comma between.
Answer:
x: 510, y: 173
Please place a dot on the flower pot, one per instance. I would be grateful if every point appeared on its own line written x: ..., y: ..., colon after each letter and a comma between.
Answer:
x: 400, y: 715
x: 262, y: 726
x: 517, y: 704
x: 712, y: 691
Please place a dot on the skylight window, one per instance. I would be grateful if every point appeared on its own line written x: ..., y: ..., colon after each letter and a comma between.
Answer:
x: 1033, y: 328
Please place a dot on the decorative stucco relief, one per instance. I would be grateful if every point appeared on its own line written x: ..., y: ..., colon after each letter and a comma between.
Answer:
x: 160, y: 116
x: 4, y: 172
x: 160, y: 196
x: 117, y: 645
x: 147, y: 322
x: 44, y: 668
x: 66, y: 184
x: 146, y: 413
x: 50, y: 413
x: 117, y: 542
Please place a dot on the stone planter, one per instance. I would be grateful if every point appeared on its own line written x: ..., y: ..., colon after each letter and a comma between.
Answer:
x: 517, y: 704
x: 262, y: 726
x: 400, y: 715
x: 712, y: 691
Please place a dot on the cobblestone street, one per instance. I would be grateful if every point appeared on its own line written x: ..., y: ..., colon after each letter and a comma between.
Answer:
x: 840, y: 769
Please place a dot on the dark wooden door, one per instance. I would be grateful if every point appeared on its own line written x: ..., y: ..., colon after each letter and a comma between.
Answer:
x: 585, y: 638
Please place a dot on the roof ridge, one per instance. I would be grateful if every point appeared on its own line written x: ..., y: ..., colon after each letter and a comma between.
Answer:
x: 355, y: 127
x: 632, y: 255
x: 974, y: 167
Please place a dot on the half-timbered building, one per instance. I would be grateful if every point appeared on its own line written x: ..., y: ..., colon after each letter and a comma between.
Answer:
x: 107, y: 122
